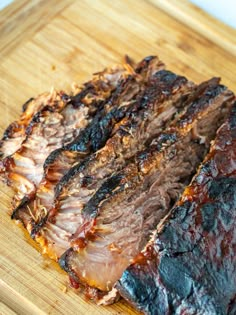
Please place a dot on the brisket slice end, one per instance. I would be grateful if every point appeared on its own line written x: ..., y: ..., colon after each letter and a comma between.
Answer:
x: 190, y: 265
x: 117, y: 226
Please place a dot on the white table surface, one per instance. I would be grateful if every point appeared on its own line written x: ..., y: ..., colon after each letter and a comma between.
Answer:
x: 224, y: 10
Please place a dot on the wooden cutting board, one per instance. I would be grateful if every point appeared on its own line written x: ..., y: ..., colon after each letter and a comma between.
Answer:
x: 57, y: 42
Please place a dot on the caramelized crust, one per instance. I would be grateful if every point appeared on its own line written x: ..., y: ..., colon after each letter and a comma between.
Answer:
x: 98, y: 175
x: 94, y: 136
x: 17, y: 131
x: 117, y: 221
x: 52, y: 128
x: 189, y: 266
x: 144, y: 120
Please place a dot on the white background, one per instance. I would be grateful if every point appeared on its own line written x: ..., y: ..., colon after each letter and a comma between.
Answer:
x: 224, y: 10
x: 4, y: 3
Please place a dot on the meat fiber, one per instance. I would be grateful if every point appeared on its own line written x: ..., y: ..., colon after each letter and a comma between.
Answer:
x: 16, y: 132
x: 118, y: 220
x: 98, y: 174
x: 91, y: 139
x: 189, y: 267
x: 154, y: 109
x: 97, y: 133
x: 52, y: 128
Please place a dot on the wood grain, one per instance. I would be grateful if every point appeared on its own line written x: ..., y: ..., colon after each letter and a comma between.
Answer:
x: 21, y: 20
x: 192, y: 16
x: 55, y: 43
x: 5, y: 310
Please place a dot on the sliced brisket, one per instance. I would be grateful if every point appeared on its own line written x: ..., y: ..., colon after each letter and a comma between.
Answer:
x: 150, y: 113
x: 15, y: 133
x: 50, y: 129
x: 97, y: 133
x: 91, y: 139
x: 118, y: 220
x: 98, y: 175
x: 189, y: 267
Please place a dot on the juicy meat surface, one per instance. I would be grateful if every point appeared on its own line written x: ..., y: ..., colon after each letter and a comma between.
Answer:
x: 153, y: 110
x: 95, y: 136
x: 91, y: 139
x: 117, y: 221
x: 189, y: 267
x: 97, y: 175
x: 51, y: 130
x: 16, y: 132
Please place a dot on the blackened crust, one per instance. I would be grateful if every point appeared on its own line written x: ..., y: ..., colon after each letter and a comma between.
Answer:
x: 190, y: 267
x: 105, y: 190
x: 24, y: 201
x: 147, y: 163
x: 206, y: 93
x: 63, y: 262
x: 167, y: 81
x: 95, y: 134
x: 195, y: 110
x: 25, y: 105
x: 144, y: 63
x: 8, y: 132
x: 98, y: 131
x: 36, y: 118
x: 164, y: 81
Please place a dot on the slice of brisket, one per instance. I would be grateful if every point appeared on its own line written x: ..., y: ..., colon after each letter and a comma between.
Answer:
x: 97, y: 133
x: 118, y: 220
x: 98, y: 174
x: 189, y: 267
x: 50, y: 129
x: 16, y: 133
x: 153, y: 110
x: 90, y: 140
